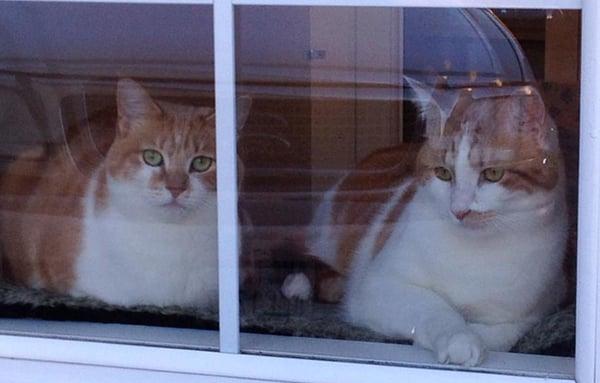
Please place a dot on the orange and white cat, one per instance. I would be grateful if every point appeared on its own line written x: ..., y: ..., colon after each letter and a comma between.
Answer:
x: 458, y: 245
x: 137, y: 227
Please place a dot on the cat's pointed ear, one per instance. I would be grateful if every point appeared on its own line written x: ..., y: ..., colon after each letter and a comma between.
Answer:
x: 134, y: 103
x: 434, y: 104
x: 423, y: 94
x: 206, y: 113
x: 462, y: 100
x: 243, y: 110
x: 533, y: 119
x: 531, y: 105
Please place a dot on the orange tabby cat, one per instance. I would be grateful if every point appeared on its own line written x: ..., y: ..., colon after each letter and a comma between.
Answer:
x: 459, y: 246
x: 136, y: 227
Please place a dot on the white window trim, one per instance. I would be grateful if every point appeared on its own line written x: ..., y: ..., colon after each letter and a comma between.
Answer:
x: 588, y: 247
x: 283, y: 346
x: 221, y: 364
x: 517, y: 4
x: 225, y: 101
x: 95, y: 357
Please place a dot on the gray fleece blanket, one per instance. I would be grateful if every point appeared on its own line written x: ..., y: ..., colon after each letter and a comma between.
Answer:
x: 264, y: 311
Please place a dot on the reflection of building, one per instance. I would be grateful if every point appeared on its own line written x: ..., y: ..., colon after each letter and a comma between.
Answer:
x: 67, y: 52
x: 370, y: 49
x: 352, y: 87
x: 68, y: 39
x: 469, y: 47
x: 317, y: 85
x: 59, y: 61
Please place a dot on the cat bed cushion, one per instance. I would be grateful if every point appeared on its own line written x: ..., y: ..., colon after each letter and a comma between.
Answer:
x: 267, y: 312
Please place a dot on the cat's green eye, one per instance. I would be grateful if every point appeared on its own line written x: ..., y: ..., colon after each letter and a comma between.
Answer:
x: 443, y: 173
x: 493, y: 174
x: 152, y: 157
x: 201, y: 164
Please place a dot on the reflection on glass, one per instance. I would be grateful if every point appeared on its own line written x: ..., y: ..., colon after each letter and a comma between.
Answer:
x: 412, y: 177
x: 108, y: 188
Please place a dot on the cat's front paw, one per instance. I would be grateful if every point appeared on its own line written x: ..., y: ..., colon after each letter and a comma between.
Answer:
x: 463, y: 347
x: 297, y: 286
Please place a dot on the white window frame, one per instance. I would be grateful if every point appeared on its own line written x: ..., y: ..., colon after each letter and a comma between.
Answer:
x: 26, y: 357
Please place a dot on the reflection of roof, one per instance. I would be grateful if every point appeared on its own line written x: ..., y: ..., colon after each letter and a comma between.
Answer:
x: 471, y: 47
x: 98, y: 39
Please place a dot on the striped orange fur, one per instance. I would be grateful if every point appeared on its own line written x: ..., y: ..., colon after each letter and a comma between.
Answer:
x: 116, y: 227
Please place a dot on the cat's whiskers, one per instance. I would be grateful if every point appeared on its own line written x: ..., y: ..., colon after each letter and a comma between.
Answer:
x: 512, y: 221
x: 502, y: 224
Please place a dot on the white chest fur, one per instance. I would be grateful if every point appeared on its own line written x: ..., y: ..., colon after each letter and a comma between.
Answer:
x: 495, y: 278
x: 430, y: 284
x: 131, y: 262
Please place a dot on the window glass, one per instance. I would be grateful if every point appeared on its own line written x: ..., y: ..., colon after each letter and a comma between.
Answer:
x: 410, y: 176
x: 107, y: 150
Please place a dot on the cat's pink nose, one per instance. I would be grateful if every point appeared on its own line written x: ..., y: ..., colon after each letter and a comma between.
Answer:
x: 175, y: 190
x: 461, y: 214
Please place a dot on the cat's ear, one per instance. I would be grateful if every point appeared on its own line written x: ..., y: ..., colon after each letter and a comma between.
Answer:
x: 243, y: 110
x: 435, y: 104
x: 532, y: 119
x: 531, y: 105
x: 134, y: 103
x: 463, y: 99
x: 206, y: 113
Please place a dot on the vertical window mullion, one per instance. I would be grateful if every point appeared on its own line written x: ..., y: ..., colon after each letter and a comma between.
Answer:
x: 589, y: 197
x: 226, y: 175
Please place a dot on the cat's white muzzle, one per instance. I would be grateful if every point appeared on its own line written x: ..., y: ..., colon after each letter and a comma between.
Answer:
x: 472, y: 219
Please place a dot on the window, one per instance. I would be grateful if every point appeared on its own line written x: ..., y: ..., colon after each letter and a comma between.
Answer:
x: 340, y: 112
x: 71, y: 106
x: 305, y: 100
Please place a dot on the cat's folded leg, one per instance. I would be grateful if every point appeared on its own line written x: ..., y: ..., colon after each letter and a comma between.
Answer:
x: 501, y: 336
x: 329, y: 287
x: 401, y: 309
x: 297, y: 286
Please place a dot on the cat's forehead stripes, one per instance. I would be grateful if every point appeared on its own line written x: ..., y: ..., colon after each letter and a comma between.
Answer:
x: 450, y: 153
x: 186, y: 141
x: 496, y: 132
x: 184, y: 130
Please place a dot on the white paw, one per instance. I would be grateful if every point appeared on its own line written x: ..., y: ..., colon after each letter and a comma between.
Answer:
x: 464, y: 348
x: 296, y: 286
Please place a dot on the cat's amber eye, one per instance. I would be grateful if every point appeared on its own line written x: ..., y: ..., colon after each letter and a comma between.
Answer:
x: 152, y: 157
x: 201, y: 164
x: 493, y: 174
x: 443, y: 173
